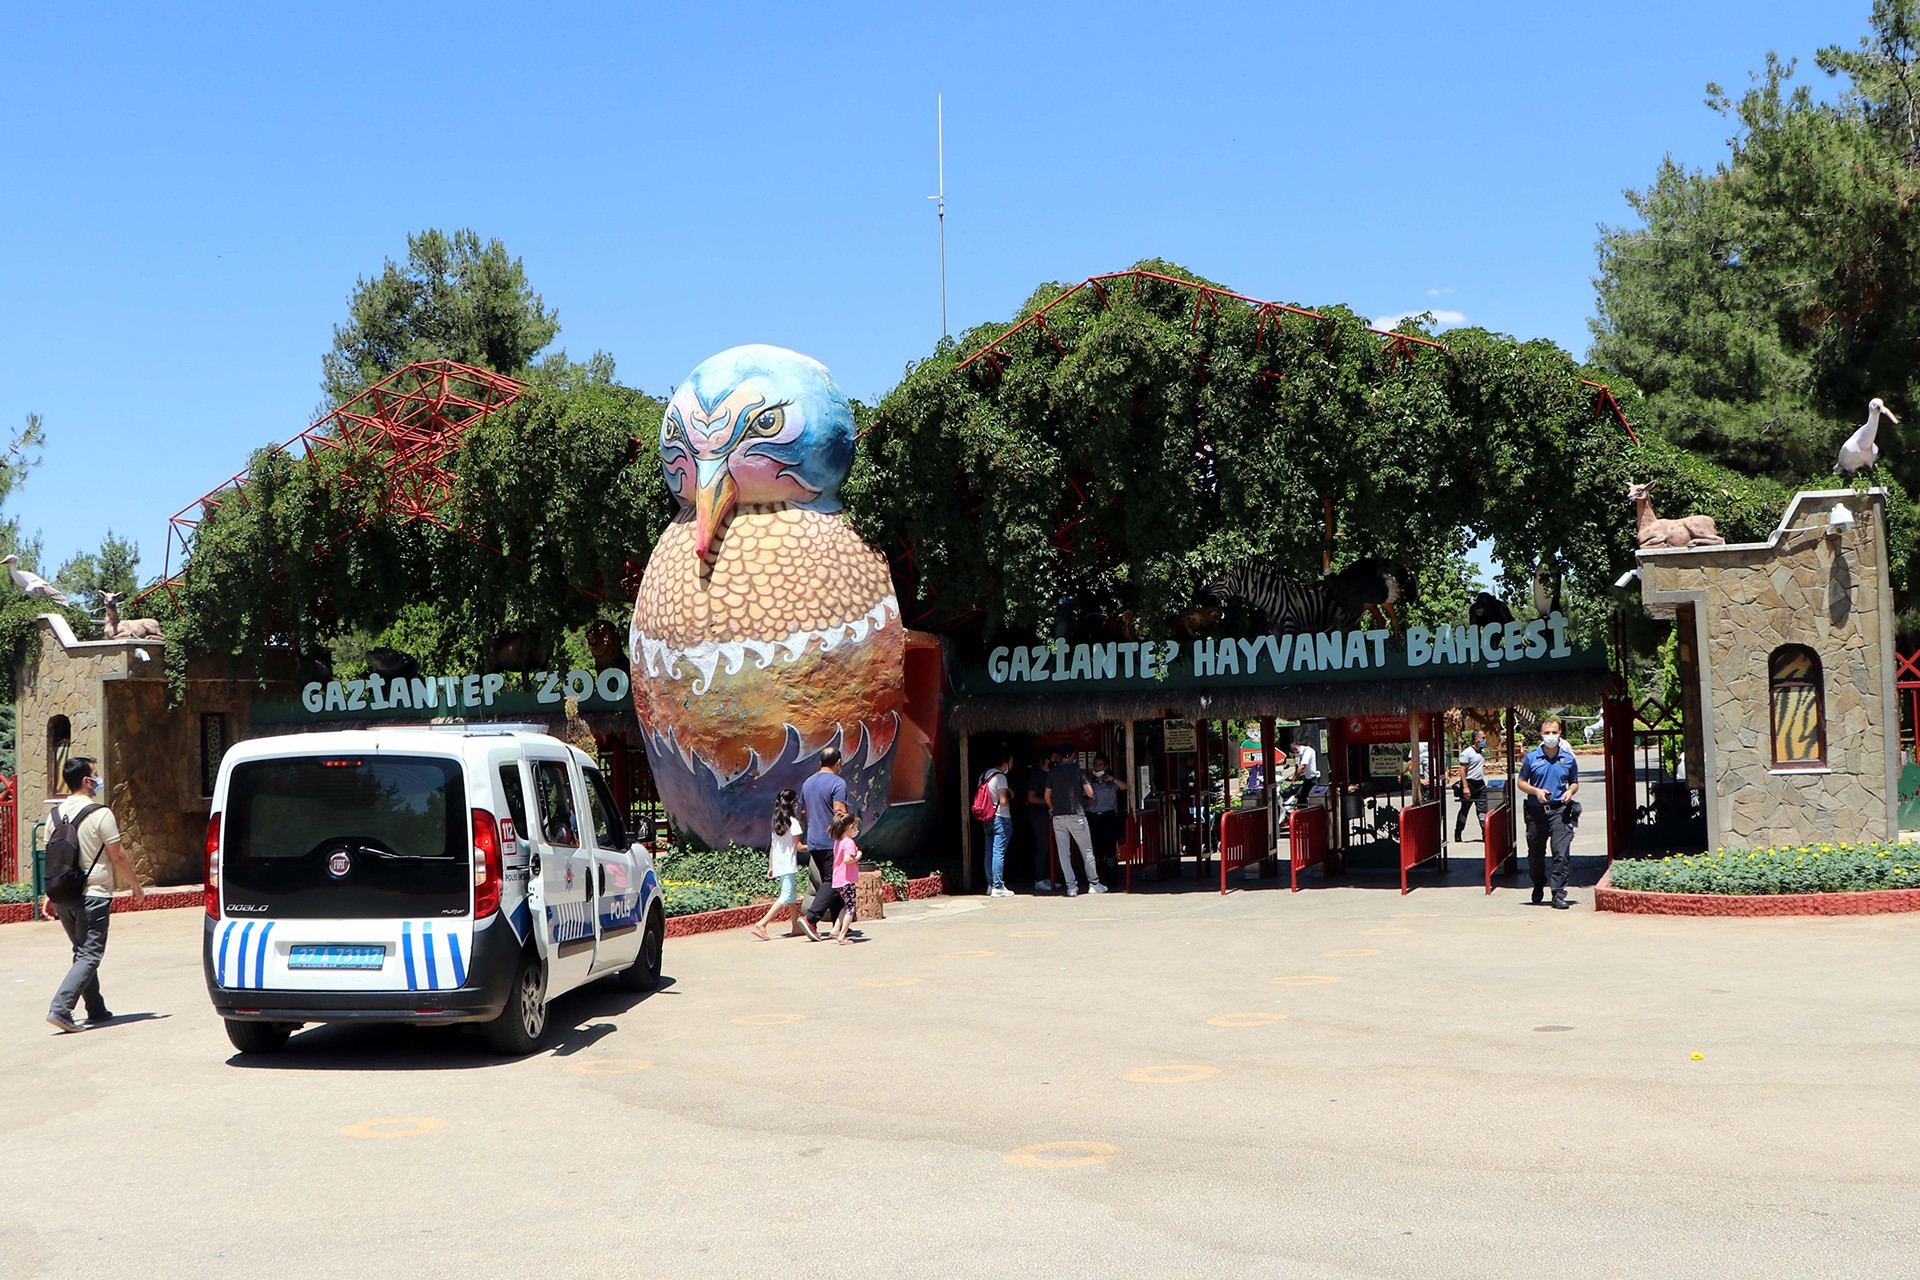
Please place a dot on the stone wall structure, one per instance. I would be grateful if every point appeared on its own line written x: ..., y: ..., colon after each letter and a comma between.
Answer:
x: 1817, y: 583
x: 110, y: 702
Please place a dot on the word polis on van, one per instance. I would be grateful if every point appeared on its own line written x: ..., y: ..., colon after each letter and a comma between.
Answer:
x: 462, y: 692
x: 1543, y: 644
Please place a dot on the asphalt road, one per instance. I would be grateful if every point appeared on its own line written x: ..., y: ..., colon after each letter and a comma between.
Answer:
x: 1341, y: 1083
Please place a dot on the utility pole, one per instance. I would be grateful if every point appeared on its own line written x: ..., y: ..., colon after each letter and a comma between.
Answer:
x: 940, y: 207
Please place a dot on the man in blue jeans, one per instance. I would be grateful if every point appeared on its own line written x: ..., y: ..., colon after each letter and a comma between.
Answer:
x: 1000, y: 829
x: 1550, y: 777
x: 102, y: 858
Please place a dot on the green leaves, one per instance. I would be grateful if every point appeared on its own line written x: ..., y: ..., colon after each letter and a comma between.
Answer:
x: 1827, y: 867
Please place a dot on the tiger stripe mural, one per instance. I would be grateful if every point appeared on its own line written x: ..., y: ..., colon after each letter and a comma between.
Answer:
x: 1799, y: 734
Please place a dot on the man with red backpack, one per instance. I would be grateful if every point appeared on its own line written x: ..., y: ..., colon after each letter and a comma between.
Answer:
x: 993, y: 806
x: 79, y: 890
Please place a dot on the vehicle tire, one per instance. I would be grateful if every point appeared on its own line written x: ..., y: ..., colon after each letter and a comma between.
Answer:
x: 258, y: 1037
x: 644, y: 973
x: 522, y: 1025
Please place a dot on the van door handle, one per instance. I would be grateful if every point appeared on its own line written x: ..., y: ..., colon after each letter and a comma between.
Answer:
x: 533, y: 867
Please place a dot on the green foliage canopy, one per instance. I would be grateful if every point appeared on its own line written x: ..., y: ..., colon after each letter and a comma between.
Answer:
x: 1128, y: 452
x: 552, y: 496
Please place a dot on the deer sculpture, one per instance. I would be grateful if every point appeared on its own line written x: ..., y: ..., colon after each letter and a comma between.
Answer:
x: 1687, y: 531
x: 132, y: 628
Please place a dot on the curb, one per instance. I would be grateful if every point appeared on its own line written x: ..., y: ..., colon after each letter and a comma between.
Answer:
x: 740, y: 917
x: 194, y: 895
x: 1871, y: 902
x: 189, y: 895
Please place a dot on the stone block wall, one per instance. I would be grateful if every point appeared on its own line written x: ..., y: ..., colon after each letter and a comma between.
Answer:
x: 1804, y: 586
x: 151, y: 754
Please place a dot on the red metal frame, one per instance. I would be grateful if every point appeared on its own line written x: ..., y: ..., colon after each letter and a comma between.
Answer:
x: 1419, y: 837
x: 402, y: 432
x: 10, y: 831
x: 1497, y: 836
x: 1906, y: 679
x: 1243, y: 841
x: 1306, y: 842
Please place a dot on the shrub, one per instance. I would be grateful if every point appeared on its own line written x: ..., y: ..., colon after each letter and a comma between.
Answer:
x: 1804, y: 868
x: 736, y: 870
x: 690, y: 897
x: 15, y: 893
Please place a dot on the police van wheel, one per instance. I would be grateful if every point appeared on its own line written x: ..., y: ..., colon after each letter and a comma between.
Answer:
x: 644, y: 973
x: 522, y: 1025
x: 258, y: 1037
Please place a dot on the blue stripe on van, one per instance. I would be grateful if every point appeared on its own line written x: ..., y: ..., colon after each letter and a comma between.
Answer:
x: 260, y: 968
x: 240, y: 964
x: 220, y: 967
x: 406, y: 949
x: 459, y: 969
x: 426, y: 949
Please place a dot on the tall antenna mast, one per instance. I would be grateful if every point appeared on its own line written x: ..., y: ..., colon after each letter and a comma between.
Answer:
x: 940, y: 208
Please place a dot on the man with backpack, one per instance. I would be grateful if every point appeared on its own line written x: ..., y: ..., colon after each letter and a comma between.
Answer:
x: 82, y: 836
x: 993, y: 806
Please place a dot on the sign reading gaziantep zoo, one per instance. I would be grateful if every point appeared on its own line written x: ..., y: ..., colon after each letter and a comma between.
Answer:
x: 543, y: 692
x: 1540, y: 646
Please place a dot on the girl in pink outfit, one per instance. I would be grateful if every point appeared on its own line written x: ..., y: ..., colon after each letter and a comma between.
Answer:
x: 846, y: 873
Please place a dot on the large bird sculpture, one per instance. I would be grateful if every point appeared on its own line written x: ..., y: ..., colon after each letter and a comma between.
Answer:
x: 32, y: 583
x: 765, y: 629
x: 1860, y: 451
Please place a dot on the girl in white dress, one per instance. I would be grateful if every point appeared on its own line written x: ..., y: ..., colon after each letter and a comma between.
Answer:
x: 783, y: 860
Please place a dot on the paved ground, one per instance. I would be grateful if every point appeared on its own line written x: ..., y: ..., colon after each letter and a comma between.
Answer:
x: 1341, y: 1083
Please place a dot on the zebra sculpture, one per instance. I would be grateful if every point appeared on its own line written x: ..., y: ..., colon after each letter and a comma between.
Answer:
x: 1291, y: 607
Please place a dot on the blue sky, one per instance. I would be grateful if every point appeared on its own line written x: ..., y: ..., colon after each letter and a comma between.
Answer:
x: 192, y: 191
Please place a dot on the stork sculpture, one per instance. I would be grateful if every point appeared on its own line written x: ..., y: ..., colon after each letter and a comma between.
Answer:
x: 1860, y: 452
x: 32, y: 583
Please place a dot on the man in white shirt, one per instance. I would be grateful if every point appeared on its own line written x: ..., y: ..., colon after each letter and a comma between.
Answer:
x: 1473, y: 778
x: 102, y: 858
x: 1306, y: 772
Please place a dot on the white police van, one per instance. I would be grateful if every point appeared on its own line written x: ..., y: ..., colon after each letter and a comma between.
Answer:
x: 423, y: 875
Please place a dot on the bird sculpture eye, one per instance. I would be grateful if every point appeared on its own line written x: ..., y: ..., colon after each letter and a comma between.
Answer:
x: 768, y: 421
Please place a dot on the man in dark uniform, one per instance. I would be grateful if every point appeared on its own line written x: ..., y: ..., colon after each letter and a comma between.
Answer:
x: 1549, y: 776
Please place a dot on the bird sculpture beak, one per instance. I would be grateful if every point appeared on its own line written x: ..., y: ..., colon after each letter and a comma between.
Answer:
x: 715, y: 493
x: 1888, y: 414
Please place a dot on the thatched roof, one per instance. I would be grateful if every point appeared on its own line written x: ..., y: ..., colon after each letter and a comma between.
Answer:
x: 1037, y: 712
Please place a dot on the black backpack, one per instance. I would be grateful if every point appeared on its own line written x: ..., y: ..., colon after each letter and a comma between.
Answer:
x: 66, y: 883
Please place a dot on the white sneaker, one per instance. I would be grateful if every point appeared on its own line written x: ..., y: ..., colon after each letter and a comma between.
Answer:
x: 1073, y: 891
x: 999, y: 891
x: 1043, y: 886
x: 1096, y: 888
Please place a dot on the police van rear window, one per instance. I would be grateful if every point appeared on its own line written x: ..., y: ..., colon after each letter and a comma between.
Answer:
x: 378, y: 834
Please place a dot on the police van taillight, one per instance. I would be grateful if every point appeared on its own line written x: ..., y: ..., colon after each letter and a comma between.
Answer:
x: 213, y: 866
x: 486, y: 864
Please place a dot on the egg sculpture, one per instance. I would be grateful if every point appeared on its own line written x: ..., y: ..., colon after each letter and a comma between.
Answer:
x: 765, y: 629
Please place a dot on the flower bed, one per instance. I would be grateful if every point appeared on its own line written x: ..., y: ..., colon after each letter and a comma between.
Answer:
x: 1777, y: 869
x: 740, y: 917
x: 1822, y: 879
x: 701, y: 880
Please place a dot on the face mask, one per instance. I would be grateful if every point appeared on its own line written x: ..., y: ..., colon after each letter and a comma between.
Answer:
x: 1549, y: 740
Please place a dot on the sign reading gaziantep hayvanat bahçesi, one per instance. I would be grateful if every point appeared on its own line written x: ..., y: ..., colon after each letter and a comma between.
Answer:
x: 1541, y: 646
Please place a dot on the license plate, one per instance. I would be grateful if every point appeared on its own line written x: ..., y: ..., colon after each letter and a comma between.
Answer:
x: 336, y: 957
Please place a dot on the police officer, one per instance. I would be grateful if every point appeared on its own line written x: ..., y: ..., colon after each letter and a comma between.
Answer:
x: 1549, y: 777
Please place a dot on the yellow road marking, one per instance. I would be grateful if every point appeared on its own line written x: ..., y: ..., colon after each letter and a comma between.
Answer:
x: 768, y: 1019
x: 1170, y: 1075
x: 1303, y: 980
x: 1246, y: 1019
x: 890, y: 982
x: 394, y: 1127
x: 1041, y: 1155
x: 966, y: 955
x: 606, y: 1066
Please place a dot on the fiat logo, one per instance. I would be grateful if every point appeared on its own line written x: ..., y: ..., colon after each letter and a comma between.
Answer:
x: 339, y: 864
